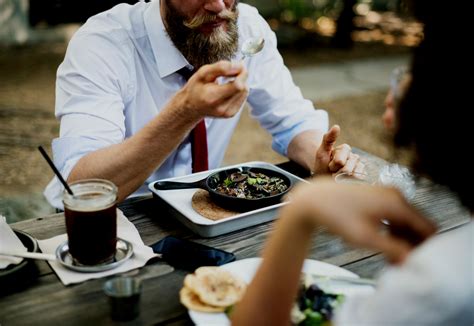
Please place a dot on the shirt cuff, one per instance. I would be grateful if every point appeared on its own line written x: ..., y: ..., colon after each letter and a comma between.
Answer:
x: 282, y: 140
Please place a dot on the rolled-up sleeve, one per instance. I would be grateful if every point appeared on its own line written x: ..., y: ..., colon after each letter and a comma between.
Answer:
x: 91, y: 94
x: 275, y: 100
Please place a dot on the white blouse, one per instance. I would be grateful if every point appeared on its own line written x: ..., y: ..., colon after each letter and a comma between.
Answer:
x: 435, y: 286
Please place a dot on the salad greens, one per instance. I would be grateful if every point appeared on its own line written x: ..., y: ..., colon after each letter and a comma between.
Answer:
x: 314, y: 307
x: 251, y: 185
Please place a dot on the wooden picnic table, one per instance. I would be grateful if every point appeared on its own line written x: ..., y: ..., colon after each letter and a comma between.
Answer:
x: 48, y: 301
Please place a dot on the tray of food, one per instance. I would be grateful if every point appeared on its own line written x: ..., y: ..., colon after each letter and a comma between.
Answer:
x: 223, y: 200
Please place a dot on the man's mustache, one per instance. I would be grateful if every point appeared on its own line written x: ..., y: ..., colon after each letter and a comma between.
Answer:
x: 210, y: 18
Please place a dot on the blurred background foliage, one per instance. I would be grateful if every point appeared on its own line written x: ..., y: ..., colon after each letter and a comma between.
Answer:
x: 34, y: 36
x: 338, y: 23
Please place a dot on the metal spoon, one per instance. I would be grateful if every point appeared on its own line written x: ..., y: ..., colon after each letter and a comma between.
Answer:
x: 30, y: 255
x: 252, y: 46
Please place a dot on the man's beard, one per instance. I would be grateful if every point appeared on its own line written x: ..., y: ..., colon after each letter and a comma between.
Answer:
x: 200, y: 48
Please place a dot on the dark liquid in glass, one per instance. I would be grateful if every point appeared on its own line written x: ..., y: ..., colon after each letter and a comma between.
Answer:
x: 92, y: 235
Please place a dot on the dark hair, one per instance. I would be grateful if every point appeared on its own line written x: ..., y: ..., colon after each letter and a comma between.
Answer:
x: 433, y: 116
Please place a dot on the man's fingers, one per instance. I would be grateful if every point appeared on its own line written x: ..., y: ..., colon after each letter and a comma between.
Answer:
x: 350, y: 165
x: 224, y: 95
x: 209, y: 73
x: 360, y: 167
x: 340, y: 157
x: 230, y: 89
x: 239, y: 84
x: 233, y: 105
x: 329, y: 138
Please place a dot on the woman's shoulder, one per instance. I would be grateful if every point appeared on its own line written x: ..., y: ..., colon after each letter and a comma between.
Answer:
x: 444, y: 269
x: 433, y: 286
x: 455, y: 246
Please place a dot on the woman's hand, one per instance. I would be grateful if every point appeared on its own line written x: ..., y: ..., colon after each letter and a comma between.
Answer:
x: 354, y: 212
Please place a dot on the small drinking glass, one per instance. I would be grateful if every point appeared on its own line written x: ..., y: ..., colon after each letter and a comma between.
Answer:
x: 124, y: 297
x: 390, y: 175
x: 355, y: 178
x: 394, y: 175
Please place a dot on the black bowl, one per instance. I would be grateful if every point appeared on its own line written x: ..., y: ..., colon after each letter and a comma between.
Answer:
x: 16, y: 277
x: 211, y: 182
x: 244, y: 204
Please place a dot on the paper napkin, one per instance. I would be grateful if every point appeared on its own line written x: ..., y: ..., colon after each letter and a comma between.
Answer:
x: 9, y: 242
x: 125, y: 230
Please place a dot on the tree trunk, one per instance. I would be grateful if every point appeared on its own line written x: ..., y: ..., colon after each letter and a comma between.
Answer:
x: 345, y: 25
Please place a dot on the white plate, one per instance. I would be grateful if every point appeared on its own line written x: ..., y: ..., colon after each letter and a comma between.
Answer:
x: 181, y: 201
x: 246, y: 269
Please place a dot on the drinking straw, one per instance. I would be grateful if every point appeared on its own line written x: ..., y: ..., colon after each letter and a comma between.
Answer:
x: 55, y: 170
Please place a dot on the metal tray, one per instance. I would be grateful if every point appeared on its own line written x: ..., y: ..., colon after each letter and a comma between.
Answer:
x: 180, y: 202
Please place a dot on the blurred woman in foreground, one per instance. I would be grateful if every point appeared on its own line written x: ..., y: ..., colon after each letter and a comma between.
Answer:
x: 431, y: 282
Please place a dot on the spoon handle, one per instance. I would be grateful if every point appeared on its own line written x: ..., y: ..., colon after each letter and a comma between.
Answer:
x: 225, y: 80
x: 347, y: 279
x: 32, y: 255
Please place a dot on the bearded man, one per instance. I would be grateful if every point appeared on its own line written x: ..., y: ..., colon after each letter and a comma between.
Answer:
x: 140, y: 96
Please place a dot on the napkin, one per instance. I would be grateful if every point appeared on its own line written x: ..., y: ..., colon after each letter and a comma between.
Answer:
x: 9, y: 242
x: 125, y: 230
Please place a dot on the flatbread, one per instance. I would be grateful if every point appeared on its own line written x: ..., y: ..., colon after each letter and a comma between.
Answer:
x: 203, y: 204
x: 215, y: 286
x: 191, y: 301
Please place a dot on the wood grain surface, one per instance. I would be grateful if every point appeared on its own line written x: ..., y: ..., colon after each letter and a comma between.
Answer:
x: 48, y: 301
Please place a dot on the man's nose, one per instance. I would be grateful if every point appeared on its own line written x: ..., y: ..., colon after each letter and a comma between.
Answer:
x: 215, y: 6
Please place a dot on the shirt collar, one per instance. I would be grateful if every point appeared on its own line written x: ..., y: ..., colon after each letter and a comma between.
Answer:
x: 167, y: 56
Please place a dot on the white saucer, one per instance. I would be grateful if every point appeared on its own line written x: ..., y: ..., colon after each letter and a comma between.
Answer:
x: 124, y: 252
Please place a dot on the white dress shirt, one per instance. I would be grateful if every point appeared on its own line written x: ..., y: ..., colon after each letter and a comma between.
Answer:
x: 120, y: 69
x: 435, y: 286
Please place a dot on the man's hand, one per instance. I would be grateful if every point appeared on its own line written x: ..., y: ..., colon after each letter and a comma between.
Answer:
x: 358, y: 220
x: 203, y: 97
x: 330, y: 159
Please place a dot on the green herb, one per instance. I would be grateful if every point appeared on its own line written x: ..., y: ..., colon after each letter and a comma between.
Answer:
x: 229, y: 310
x: 313, y: 318
x: 251, y: 185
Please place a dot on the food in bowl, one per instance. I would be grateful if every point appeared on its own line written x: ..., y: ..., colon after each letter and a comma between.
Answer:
x: 251, y: 185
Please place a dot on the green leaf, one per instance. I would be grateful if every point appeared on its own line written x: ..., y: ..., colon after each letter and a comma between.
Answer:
x: 251, y: 181
x: 228, y: 182
x: 313, y: 318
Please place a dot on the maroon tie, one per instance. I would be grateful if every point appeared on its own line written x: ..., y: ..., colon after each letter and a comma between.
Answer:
x: 198, y: 137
